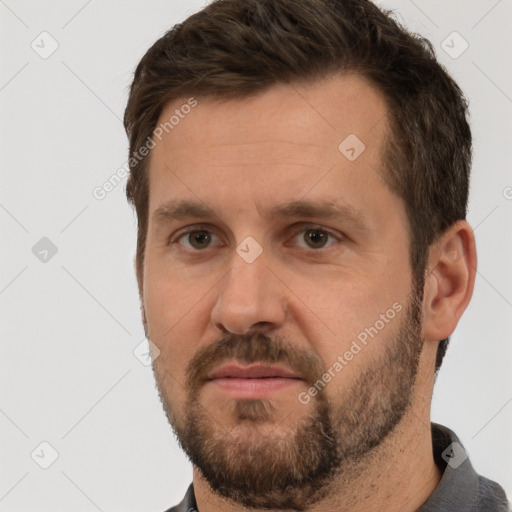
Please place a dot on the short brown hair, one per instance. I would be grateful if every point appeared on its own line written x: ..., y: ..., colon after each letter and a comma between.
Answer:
x: 236, y: 48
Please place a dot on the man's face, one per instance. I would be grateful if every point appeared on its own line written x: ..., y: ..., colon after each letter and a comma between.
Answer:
x: 288, y: 336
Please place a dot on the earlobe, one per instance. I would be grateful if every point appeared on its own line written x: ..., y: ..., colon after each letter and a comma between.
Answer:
x: 450, y: 280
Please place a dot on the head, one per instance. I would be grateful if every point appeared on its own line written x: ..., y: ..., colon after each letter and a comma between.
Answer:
x: 244, y: 110
x: 426, y: 108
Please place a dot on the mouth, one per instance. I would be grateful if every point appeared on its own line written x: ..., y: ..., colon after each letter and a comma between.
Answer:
x: 253, y: 371
x: 252, y: 381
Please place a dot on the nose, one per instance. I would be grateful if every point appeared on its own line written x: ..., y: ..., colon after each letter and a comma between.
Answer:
x: 250, y: 296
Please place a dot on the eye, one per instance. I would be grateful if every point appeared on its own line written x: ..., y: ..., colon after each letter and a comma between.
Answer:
x: 199, y: 239
x: 316, y: 237
x: 196, y: 239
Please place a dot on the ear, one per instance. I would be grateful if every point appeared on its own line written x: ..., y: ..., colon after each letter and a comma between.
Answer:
x: 449, y: 281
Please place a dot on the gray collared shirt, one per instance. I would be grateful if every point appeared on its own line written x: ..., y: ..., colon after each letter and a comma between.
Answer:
x: 460, y: 489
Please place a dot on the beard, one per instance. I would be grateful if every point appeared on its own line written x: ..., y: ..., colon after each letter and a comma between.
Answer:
x: 256, y: 464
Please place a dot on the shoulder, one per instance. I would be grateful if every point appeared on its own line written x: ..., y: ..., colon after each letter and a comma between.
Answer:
x: 490, y: 496
x: 461, y: 487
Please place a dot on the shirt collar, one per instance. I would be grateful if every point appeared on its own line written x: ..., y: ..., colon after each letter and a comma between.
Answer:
x: 459, y: 480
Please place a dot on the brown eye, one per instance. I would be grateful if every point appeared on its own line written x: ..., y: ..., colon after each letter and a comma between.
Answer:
x: 316, y: 238
x: 199, y: 239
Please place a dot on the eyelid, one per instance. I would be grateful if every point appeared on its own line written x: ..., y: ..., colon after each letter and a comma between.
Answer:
x: 175, y: 237
x: 301, y: 227
x: 305, y: 226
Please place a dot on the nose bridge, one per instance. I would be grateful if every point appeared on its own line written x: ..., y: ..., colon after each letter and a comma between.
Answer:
x: 244, y: 280
x: 248, y: 295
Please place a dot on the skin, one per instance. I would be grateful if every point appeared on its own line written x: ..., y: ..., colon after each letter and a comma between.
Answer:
x: 242, y: 157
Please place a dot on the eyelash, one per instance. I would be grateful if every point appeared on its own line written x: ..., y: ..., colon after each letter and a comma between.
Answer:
x: 176, y: 238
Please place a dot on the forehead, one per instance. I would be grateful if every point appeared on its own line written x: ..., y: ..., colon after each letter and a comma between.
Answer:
x: 322, y: 139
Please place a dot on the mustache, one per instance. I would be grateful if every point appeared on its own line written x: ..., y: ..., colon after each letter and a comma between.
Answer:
x: 253, y: 348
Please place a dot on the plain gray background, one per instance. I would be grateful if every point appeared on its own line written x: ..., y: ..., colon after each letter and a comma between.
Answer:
x: 70, y: 321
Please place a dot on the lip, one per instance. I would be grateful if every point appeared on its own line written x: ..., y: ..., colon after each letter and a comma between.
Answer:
x: 256, y: 381
x: 253, y: 371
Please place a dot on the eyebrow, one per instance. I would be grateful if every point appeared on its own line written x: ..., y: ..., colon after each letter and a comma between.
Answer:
x: 186, y: 209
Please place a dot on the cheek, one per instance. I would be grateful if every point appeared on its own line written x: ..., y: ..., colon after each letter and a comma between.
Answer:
x: 338, y: 304
x: 175, y: 318
x: 351, y: 319
x: 169, y: 297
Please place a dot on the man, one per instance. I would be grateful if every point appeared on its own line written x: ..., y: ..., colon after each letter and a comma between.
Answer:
x: 300, y: 174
